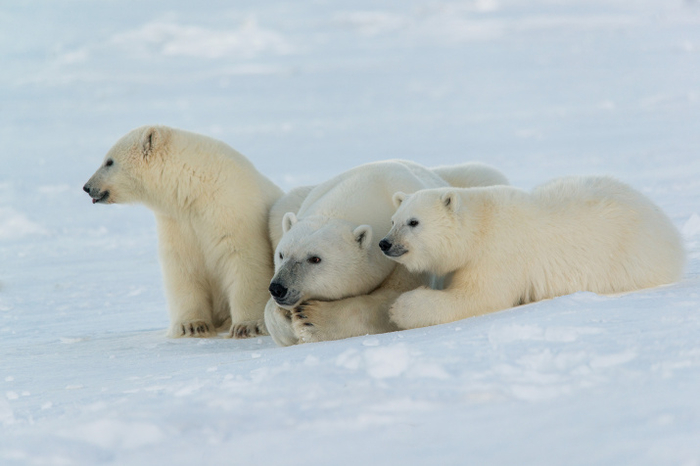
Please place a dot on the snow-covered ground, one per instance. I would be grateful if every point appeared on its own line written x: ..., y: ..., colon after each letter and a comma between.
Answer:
x: 307, y: 89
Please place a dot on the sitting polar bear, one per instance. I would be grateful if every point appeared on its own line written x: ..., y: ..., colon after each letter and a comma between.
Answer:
x: 328, y: 268
x: 507, y: 247
x: 211, y: 207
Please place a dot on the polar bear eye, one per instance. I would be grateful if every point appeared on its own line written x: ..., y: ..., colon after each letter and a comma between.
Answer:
x: 109, y: 163
x: 413, y: 223
x: 281, y: 256
x: 314, y: 260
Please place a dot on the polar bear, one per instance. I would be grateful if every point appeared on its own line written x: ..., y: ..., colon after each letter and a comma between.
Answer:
x: 331, y: 280
x: 211, y: 207
x: 508, y: 247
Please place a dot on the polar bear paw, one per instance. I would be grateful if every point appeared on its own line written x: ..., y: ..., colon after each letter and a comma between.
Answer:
x: 248, y: 329
x: 306, y: 321
x: 193, y: 329
x: 410, y: 309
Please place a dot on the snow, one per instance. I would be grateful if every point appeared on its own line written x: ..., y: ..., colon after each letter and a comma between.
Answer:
x: 307, y: 89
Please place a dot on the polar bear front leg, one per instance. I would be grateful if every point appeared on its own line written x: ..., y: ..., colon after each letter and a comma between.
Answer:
x: 248, y: 277
x: 355, y: 316
x: 424, y: 307
x: 314, y: 321
x: 184, y: 275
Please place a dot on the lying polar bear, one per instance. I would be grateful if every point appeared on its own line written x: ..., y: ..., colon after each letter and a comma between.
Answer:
x: 331, y: 279
x: 507, y: 247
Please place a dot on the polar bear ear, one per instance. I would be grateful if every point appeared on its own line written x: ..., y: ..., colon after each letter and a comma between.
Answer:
x: 288, y: 221
x: 363, y: 236
x: 450, y: 200
x: 148, y: 141
x: 398, y: 198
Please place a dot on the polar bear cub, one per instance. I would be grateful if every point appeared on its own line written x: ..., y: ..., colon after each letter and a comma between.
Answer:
x: 508, y: 247
x: 211, y: 207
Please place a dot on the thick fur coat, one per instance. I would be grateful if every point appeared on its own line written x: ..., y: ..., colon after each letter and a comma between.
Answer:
x: 211, y: 207
x: 507, y: 247
x: 331, y: 279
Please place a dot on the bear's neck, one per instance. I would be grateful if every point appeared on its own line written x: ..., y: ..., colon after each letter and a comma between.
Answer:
x: 495, y: 217
x: 181, y: 190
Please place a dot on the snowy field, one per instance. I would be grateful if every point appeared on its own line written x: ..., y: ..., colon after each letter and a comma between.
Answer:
x: 306, y: 90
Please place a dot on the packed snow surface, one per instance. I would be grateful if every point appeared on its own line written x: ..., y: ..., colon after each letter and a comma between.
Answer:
x: 306, y: 90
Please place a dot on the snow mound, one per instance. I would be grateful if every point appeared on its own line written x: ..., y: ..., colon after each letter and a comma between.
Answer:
x: 15, y: 225
x: 111, y: 433
x: 173, y: 40
x: 7, y: 416
x: 692, y: 226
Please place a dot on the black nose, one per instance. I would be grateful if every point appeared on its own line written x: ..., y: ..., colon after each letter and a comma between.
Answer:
x: 277, y: 290
x: 86, y: 189
x: 384, y: 245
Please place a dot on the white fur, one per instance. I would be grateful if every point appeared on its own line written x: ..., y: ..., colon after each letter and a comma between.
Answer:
x: 211, y: 207
x: 349, y: 291
x: 336, y: 223
x: 508, y: 247
x: 470, y: 175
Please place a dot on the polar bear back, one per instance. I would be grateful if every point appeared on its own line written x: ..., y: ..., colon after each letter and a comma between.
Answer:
x: 572, y: 234
x: 376, y: 184
x: 612, y: 237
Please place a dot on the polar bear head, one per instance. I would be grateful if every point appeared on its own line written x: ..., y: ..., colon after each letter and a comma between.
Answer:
x: 424, y: 231
x: 130, y: 170
x: 324, y: 258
